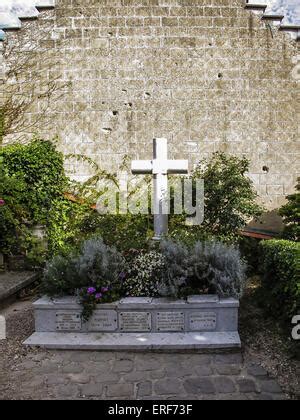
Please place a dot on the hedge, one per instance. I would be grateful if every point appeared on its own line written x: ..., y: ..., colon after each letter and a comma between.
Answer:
x: 281, y: 280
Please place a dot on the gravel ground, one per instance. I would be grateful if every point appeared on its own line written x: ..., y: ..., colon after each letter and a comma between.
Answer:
x: 264, y: 342
x: 263, y: 346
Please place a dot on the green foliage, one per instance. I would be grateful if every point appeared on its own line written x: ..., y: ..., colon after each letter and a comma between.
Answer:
x: 207, y: 267
x: 95, y: 266
x: 250, y: 251
x: 41, y: 168
x: 124, y: 231
x: 230, y: 199
x: 32, y: 178
x: 13, y: 216
x: 143, y: 274
x: 66, y: 226
x: 291, y: 215
x: 281, y: 278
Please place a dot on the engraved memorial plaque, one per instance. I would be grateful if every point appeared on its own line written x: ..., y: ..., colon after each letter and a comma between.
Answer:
x: 170, y: 321
x: 68, y: 321
x: 203, y: 321
x: 103, y: 321
x: 135, y: 321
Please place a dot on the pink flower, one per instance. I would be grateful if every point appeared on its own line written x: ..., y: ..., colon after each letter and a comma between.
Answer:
x: 2, y: 202
x: 104, y: 289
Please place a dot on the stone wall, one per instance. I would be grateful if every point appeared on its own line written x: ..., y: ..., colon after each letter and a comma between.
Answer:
x: 207, y: 74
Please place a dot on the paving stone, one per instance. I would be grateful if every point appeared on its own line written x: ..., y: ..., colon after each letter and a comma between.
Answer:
x: 224, y: 385
x: 148, y: 364
x: 263, y: 397
x: 179, y: 372
x: 104, y: 357
x: 122, y: 366
x: 79, y: 378
x: 135, y: 376
x: 157, y: 374
x: 120, y: 390
x: 204, y: 370
x: 106, y: 378
x: 229, y: 359
x: 199, y: 386
x: 92, y: 390
x: 73, y: 368
x: 49, y: 367
x: 270, y: 387
x: 198, y: 360
x: 228, y: 370
x: 67, y: 391
x: 246, y: 385
x: 168, y: 387
x: 144, y: 389
x: 257, y: 371
x: 55, y: 379
x: 92, y: 367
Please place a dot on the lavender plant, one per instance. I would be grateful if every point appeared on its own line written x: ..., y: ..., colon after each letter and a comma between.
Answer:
x: 206, y: 267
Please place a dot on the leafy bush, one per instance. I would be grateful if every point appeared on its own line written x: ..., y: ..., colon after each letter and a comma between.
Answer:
x: 97, y: 267
x: 96, y: 262
x: 31, y: 179
x: 281, y: 278
x: 291, y: 215
x: 206, y: 267
x: 13, y: 216
x: 143, y: 274
x: 41, y: 167
x: 229, y: 197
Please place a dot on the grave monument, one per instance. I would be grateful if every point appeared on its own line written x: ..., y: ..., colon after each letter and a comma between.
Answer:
x: 141, y: 323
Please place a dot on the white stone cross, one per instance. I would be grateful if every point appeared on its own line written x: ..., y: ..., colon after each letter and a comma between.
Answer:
x: 160, y: 167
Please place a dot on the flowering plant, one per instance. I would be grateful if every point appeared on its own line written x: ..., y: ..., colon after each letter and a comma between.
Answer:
x: 144, y: 274
x: 91, y: 296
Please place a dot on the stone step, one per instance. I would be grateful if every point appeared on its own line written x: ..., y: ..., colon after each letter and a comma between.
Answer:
x: 267, y: 11
x: 12, y: 12
x: 135, y: 341
x: 12, y: 283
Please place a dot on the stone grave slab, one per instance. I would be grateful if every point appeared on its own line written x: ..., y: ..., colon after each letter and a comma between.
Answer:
x: 197, y: 322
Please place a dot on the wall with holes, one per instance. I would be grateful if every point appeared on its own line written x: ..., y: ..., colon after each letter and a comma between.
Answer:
x: 207, y: 74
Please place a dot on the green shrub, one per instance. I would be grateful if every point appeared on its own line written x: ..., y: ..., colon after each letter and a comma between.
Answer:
x: 96, y: 267
x: 31, y: 179
x: 41, y: 167
x: 291, y: 215
x: 207, y: 267
x: 143, y: 274
x: 229, y: 197
x: 13, y: 216
x: 281, y: 278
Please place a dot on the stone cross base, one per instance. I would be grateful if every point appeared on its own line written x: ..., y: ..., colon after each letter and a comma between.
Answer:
x: 200, y: 322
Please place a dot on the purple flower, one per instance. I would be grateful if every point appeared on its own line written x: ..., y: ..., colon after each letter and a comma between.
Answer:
x: 104, y: 289
x: 122, y: 275
x: 91, y: 290
x: 98, y: 296
x: 2, y: 202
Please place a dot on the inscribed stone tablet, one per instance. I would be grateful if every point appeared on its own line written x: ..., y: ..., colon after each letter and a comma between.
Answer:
x: 203, y: 321
x: 170, y: 321
x: 103, y: 321
x: 135, y: 321
x: 68, y: 321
